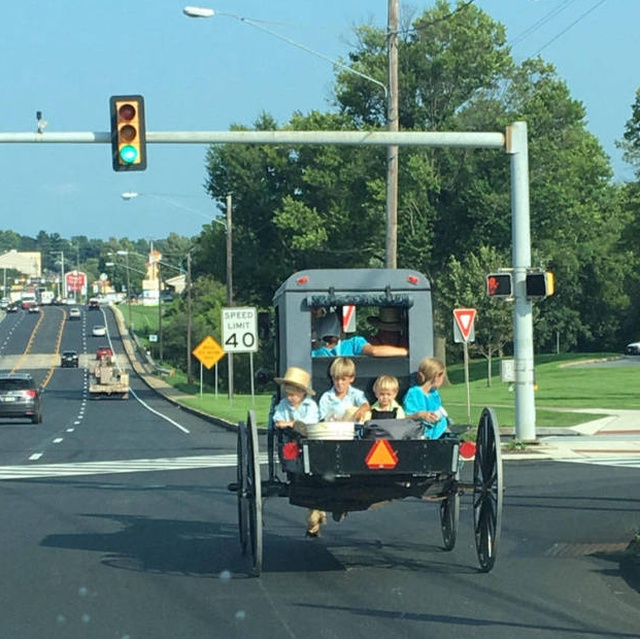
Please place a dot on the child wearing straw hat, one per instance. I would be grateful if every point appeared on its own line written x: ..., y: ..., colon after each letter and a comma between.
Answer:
x: 296, y: 405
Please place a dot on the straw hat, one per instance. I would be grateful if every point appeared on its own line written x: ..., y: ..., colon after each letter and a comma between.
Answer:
x: 297, y: 377
x: 388, y: 319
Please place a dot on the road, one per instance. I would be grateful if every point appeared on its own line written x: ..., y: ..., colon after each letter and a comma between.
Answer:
x: 118, y: 524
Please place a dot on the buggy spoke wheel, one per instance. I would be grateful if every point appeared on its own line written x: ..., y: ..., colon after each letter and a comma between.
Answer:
x: 449, y: 517
x: 242, y: 473
x: 487, y: 490
x: 254, y: 493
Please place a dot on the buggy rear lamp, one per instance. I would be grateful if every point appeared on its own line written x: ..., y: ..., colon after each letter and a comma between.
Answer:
x: 291, y: 451
x: 302, y: 280
x: 467, y: 450
x: 412, y: 279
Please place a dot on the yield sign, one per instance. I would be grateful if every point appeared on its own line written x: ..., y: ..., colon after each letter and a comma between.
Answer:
x: 464, y: 319
x: 381, y: 455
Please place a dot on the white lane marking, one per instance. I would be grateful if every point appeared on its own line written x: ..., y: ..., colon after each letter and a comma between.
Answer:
x: 35, y: 456
x: 122, y: 466
x: 159, y: 414
x: 70, y: 430
x: 620, y: 462
x: 57, y: 440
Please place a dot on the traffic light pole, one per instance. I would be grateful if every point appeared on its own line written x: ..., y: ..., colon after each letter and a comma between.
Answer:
x: 518, y: 148
x: 514, y: 141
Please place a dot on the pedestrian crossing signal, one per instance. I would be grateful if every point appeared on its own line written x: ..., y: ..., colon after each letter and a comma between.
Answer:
x: 128, y: 135
x: 499, y: 285
x: 540, y: 284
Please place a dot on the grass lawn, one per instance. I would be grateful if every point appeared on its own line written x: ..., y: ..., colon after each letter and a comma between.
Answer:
x: 563, y: 382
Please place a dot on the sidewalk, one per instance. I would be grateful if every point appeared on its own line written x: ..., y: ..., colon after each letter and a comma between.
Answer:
x: 617, y: 435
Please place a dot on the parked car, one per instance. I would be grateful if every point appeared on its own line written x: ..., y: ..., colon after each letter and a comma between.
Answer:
x: 633, y: 348
x: 75, y: 313
x: 69, y: 359
x: 20, y: 397
x: 99, y: 330
x: 104, y: 351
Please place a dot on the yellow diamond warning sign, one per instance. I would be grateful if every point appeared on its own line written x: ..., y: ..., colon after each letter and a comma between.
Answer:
x: 381, y: 455
x: 208, y: 352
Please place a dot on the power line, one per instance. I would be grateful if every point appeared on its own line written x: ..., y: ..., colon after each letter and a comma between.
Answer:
x: 573, y: 24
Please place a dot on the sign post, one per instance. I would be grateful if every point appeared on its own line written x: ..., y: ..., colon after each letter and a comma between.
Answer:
x: 208, y: 352
x: 463, y: 331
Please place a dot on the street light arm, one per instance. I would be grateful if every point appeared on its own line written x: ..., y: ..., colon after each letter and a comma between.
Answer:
x: 205, y: 12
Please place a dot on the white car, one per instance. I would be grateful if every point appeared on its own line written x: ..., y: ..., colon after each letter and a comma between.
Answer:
x: 75, y: 313
x: 99, y: 330
x: 633, y: 348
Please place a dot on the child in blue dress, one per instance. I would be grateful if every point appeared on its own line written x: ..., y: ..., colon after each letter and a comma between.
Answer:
x: 423, y: 401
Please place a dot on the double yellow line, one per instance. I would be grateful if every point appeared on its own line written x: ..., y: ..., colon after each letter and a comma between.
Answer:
x: 56, y: 354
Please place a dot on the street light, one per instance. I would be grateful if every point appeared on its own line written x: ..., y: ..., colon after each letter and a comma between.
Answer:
x: 390, y: 96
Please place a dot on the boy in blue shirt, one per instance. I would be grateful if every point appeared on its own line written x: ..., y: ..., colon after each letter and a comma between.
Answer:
x: 296, y: 405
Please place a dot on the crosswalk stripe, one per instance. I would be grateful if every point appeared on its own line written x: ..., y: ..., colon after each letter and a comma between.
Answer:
x: 31, y: 471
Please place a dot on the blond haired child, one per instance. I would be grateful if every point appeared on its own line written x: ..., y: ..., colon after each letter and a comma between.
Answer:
x: 343, y: 399
x: 423, y: 401
x: 386, y: 389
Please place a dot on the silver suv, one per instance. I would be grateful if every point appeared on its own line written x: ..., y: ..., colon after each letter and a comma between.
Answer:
x: 20, y: 397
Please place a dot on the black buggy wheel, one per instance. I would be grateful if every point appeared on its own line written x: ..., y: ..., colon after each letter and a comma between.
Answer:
x: 487, y: 490
x: 449, y: 517
x: 254, y: 493
x: 242, y: 492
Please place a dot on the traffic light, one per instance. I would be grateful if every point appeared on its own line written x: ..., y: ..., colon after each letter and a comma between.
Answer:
x: 540, y: 284
x: 499, y: 285
x: 128, y: 136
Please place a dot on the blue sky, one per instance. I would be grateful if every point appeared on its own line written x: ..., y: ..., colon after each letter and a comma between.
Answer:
x: 66, y: 58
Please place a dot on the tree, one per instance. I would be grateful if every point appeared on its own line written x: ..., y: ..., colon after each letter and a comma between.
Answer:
x: 463, y: 286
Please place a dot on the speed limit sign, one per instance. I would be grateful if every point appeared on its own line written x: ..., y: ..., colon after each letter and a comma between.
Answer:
x: 239, y: 330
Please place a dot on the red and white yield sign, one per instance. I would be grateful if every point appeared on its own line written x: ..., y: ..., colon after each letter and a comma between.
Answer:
x: 465, y: 317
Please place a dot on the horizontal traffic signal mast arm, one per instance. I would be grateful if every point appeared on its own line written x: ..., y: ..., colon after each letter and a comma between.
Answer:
x: 380, y: 138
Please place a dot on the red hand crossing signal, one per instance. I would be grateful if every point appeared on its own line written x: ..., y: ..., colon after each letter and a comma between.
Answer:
x: 499, y: 285
x: 128, y: 135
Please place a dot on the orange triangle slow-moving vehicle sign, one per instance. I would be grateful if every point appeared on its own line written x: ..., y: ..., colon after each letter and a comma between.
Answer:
x: 381, y: 455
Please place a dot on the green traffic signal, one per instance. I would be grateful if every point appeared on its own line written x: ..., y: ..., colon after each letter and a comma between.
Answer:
x: 128, y: 154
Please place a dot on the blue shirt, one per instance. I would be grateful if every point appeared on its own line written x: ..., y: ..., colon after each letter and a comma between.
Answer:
x: 332, y: 406
x: 307, y: 412
x: 417, y: 400
x: 344, y: 348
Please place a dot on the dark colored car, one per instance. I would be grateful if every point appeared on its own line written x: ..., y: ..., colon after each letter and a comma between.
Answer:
x: 20, y: 397
x: 94, y: 305
x: 69, y: 359
x: 12, y: 308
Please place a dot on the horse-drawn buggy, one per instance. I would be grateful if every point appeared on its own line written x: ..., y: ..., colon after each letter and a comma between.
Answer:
x: 376, y: 461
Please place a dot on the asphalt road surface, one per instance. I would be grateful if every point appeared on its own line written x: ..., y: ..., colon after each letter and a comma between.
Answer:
x: 118, y: 524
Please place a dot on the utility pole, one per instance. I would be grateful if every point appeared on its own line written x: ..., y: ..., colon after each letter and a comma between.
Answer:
x: 229, y: 284
x: 189, y: 321
x: 392, y: 126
